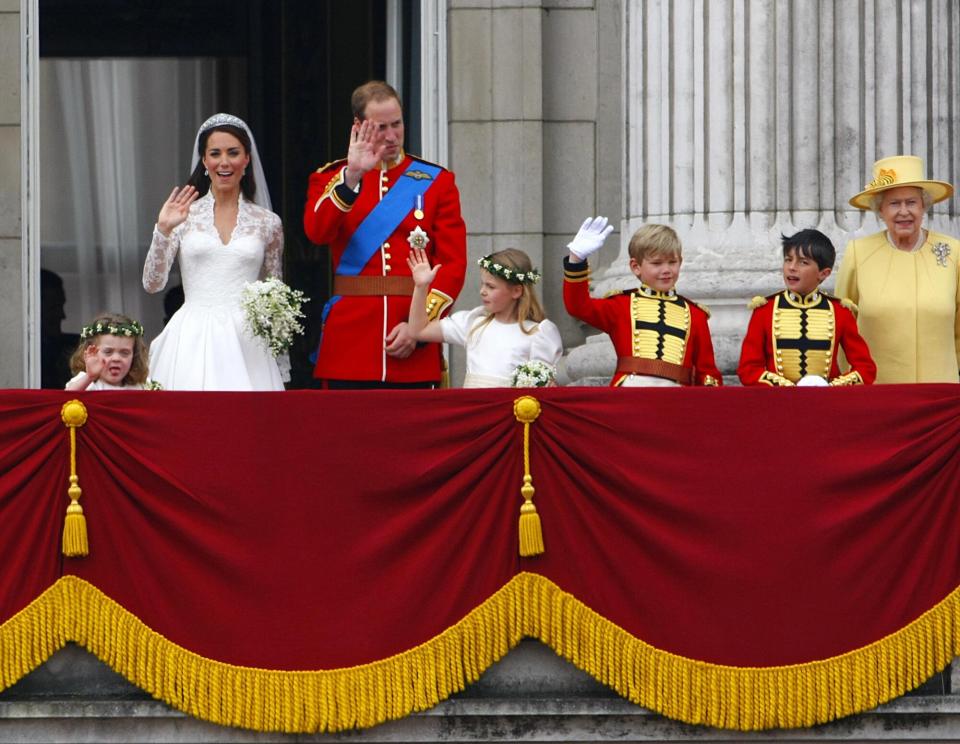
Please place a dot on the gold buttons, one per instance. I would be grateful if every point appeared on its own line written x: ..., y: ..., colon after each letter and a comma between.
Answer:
x: 387, y: 256
x: 387, y: 267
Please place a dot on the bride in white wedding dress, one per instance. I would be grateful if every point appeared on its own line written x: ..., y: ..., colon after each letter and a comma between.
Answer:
x: 226, y: 235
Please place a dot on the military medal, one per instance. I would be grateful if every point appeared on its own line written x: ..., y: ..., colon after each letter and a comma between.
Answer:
x: 418, y: 211
x: 418, y: 238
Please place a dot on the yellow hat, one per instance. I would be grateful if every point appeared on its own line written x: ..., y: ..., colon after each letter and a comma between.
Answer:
x: 900, y: 170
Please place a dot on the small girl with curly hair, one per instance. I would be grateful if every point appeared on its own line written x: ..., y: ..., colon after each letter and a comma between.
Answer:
x: 111, y: 356
x: 505, y: 333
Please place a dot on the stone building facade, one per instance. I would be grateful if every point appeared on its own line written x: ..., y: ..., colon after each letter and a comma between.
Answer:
x: 733, y: 121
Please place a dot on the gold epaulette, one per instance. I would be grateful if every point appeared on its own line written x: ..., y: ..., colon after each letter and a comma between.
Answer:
x: 850, y: 305
x: 758, y: 301
x: 428, y: 162
x: 694, y: 302
x: 337, y: 163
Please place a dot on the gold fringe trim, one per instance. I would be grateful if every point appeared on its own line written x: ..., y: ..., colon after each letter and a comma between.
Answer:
x: 696, y: 692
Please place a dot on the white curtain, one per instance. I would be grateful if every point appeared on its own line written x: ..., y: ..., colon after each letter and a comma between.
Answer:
x: 116, y: 137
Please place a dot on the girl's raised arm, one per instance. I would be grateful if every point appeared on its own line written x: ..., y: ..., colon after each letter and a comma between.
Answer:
x: 423, y: 277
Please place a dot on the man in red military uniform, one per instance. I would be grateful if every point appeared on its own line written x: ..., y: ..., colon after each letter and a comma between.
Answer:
x: 371, y: 208
x: 796, y: 334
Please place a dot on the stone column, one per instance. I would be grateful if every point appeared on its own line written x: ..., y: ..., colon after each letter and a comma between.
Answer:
x: 14, y: 338
x: 746, y: 119
x: 495, y: 133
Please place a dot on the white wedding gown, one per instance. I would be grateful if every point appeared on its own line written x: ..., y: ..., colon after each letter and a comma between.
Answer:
x: 206, y: 345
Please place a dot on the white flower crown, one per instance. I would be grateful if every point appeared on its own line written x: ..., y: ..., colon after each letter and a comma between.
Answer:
x: 131, y: 329
x: 506, y: 273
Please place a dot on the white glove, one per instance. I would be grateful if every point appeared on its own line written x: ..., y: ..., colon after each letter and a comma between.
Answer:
x: 812, y: 381
x: 593, y: 232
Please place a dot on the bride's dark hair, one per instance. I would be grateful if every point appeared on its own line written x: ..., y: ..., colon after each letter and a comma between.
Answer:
x: 201, y: 181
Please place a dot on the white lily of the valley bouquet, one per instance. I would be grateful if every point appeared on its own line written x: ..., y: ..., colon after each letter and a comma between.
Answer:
x: 271, y: 310
x: 533, y: 374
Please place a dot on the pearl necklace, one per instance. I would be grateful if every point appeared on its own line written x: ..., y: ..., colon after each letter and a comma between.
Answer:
x: 921, y: 239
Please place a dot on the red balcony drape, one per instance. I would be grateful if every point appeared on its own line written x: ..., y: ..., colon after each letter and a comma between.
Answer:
x: 737, y: 557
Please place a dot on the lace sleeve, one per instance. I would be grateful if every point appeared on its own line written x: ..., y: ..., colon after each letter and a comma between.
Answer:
x: 160, y: 257
x: 273, y: 253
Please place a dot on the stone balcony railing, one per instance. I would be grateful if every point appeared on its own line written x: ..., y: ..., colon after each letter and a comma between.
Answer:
x: 531, y: 695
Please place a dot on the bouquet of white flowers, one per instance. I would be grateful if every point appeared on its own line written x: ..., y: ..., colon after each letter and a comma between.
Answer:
x: 533, y: 374
x: 271, y: 310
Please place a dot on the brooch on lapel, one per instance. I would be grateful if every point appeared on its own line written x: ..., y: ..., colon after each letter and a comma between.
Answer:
x: 941, y: 251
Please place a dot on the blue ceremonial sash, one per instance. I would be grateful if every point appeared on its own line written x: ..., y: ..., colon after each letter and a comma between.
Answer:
x: 379, y: 224
x: 383, y: 219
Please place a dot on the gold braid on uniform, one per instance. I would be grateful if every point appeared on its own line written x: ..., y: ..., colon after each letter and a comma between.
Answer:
x: 774, y: 380
x: 851, y: 378
x: 803, y: 335
x: 571, y: 274
x: 661, y: 325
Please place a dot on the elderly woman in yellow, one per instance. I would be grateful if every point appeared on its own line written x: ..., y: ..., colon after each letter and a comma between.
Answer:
x: 905, y: 278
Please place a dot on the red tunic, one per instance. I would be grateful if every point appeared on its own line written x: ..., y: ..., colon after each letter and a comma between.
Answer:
x: 354, y: 334
x: 615, y: 315
x: 798, y: 345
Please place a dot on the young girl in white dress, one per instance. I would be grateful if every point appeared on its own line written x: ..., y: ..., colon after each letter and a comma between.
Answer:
x: 226, y: 235
x: 111, y: 356
x: 508, y: 329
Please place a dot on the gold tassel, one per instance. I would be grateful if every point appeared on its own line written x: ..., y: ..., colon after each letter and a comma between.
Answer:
x: 526, y: 408
x: 75, y: 545
x: 531, y: 533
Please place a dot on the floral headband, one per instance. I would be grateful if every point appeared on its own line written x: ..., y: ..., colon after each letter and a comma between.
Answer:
x: 506, y: 273
x: 133, y: 328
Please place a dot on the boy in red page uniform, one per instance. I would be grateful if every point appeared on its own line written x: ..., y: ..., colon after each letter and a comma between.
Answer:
x: 794, y: 335
x: 661, y: 338
x: 371, y: 209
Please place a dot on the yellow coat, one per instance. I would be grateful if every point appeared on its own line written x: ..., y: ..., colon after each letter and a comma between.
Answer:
x: 908, y: 305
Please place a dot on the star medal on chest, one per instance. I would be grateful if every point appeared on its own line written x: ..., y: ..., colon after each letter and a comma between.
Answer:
x: 418, y: 238
x: 941, y: 251
x: 418, y: 209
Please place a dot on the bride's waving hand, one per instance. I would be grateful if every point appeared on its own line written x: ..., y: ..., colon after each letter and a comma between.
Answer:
x: 176, y: 208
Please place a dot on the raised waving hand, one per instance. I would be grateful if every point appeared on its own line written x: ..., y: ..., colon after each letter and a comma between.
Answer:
x: 176, y: 209
x: 590, y: 237
x: 365, y: 152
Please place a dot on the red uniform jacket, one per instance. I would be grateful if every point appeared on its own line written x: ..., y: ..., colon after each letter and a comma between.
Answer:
x: 352, y: 344
x: 615, y: 315
x: 789, y: 337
